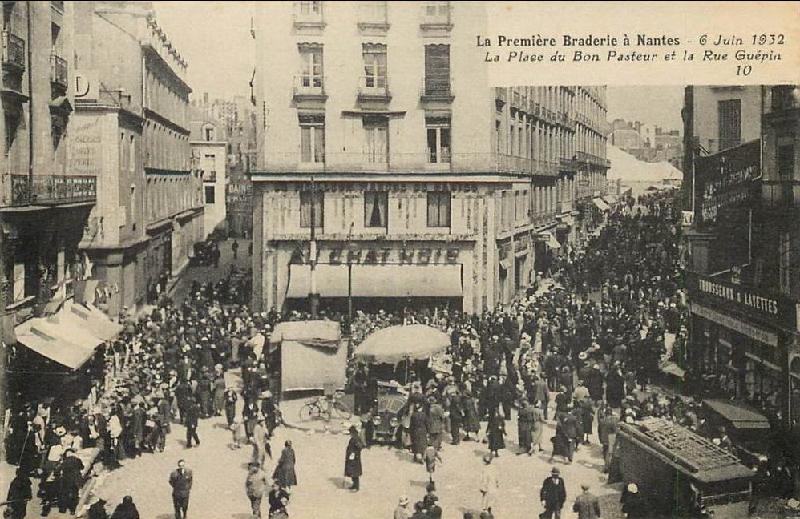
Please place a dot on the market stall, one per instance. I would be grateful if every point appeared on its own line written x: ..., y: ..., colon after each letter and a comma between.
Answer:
x: 313, y: 356
x: 402, y: 342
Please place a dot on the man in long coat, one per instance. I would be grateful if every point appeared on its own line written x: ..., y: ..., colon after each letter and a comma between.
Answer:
x: 525, y: 426
x: 435, y: 423
x: 71, y: 482
x: 553, y: 495
x: 352, y: 462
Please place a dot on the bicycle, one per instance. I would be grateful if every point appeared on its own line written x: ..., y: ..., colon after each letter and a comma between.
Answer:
x: 326, y: 407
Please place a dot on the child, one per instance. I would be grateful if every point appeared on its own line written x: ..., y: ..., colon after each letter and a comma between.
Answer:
x: 431, y: 456
x: 239, y: 433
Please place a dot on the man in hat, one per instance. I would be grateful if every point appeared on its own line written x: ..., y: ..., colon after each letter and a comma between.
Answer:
x: 435, y: 423
x: 352, y: 463
x: 553, y: 495
x: 71, y: 481
x: 586, y: 505
x: 402, y: 511
x: 489, y: 483
x: 634, y: 504
x: 181, y: 482
x: 256, y: 486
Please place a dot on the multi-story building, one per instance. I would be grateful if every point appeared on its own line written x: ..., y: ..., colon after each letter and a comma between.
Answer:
x: 415, y: 180
x: 44, y: 202
x: 744, y: 289
x: 210, y: 156
x: 131, y: 130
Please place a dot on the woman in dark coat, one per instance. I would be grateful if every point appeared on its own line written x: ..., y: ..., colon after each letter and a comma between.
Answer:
x: 525, y: 426
x: 352, y: 461
x: 419, y: 433
x: 284, y: 473
x: 495, y: 431
x: 472, y: 423
x: 19, y: 492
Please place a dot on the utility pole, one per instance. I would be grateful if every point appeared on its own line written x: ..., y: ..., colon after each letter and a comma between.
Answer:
x: 313, y: 296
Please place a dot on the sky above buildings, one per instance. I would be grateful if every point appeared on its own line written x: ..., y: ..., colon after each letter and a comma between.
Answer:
x: 215, y: 38
x: 658, y: 105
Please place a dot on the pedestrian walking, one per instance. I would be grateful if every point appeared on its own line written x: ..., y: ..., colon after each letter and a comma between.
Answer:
x: 525, y: 427
x: 230, y: 397
x: 495, y: 432
x: 71, y: 481
x: 431, y: 457
x: 587, y: 506
x: 553, y: 495
x: 352, y: 463
x: 19, y: 493
x: 256, y: 486
x: 489, y: 483
x: 181, y: 482
x: 284, y: 473
x: 191, y: 419
x: 126, y: 509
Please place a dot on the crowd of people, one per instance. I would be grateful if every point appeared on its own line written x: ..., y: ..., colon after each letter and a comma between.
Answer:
x: 580, y: 349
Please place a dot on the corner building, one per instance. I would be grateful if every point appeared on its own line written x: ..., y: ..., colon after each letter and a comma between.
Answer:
x: 428, y: 187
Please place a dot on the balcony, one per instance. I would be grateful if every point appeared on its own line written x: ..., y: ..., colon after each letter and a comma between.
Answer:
x: 13, y: 52
x: 21, y: 190
x: 309, y: 89
x: 568, y: 165
x: 372, y: 89
x: 437, y: 90
x: 58, y: 72
x: 512, y: 164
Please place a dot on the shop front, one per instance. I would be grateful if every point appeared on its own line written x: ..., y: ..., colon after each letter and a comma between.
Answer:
x: 742, y: 341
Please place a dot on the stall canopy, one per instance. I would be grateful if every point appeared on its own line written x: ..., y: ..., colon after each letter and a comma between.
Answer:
x: 377, y: 281
x: 738, y: 415
x: 600, y: 204
x: 60, y: 341
x: 402, y: 342
x: 550, y: 240
x: 312, y: 355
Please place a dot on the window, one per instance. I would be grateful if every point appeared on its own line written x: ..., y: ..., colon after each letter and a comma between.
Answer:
x: 376, y: 140
x: 374, y: 65
x: 439, y: 209
x: 311, y: 70
x: 376, y: 207
x: 437, y: 10
x: 438, y: 135
x: 210, y: 195
x: 305, y: 209
x: 310, y: 9
x: 210, y: 156
x: 785, y: 263
x: 437, y: 69
x: 372, y: 12
x: 208, y: 133
x: 730, y: 123
x: 312, y: 140
x: 132, y: 153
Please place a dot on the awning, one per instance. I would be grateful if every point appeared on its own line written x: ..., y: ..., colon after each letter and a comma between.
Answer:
x: 600, y: 204
x: 550, y: 240
x: 378, y: 281
x: 739, y: 415
x: 95, y: 320
x: 611, y: 199
x: 52, y: 344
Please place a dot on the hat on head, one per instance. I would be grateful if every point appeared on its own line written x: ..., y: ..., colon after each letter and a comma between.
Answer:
x: 555, y: 471
x: 487, y: 458
x: 584, y: 486
x: 404, y: 501
x: 633, y: 488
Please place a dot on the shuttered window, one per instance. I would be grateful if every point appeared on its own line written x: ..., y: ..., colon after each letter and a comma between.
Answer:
x: 437, y: 69
x: 439, y: 209
x: 730, y: 123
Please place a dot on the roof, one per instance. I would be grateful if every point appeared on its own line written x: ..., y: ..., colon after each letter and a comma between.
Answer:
x: 687, y: 451
x: 627, y: 167
x: 396, y: 343
x: 740, y: 416
x: 306, y: 331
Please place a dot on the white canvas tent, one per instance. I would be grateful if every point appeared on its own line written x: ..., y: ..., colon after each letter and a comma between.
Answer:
x: 627, y: 167
x: 312, y: 355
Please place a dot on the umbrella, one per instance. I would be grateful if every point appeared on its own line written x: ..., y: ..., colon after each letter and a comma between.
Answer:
x: 395, y: 343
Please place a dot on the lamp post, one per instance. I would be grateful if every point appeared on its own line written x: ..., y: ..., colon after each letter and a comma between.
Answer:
x: 350, y: 276
x: 313, y: 296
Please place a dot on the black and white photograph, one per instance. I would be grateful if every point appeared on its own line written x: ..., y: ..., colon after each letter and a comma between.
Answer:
x: 310, y: 260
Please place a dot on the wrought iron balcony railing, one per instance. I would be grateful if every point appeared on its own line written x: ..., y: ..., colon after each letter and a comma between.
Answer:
x: 58, y: 70
x: 13, y: 50
x: 20, y: 190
